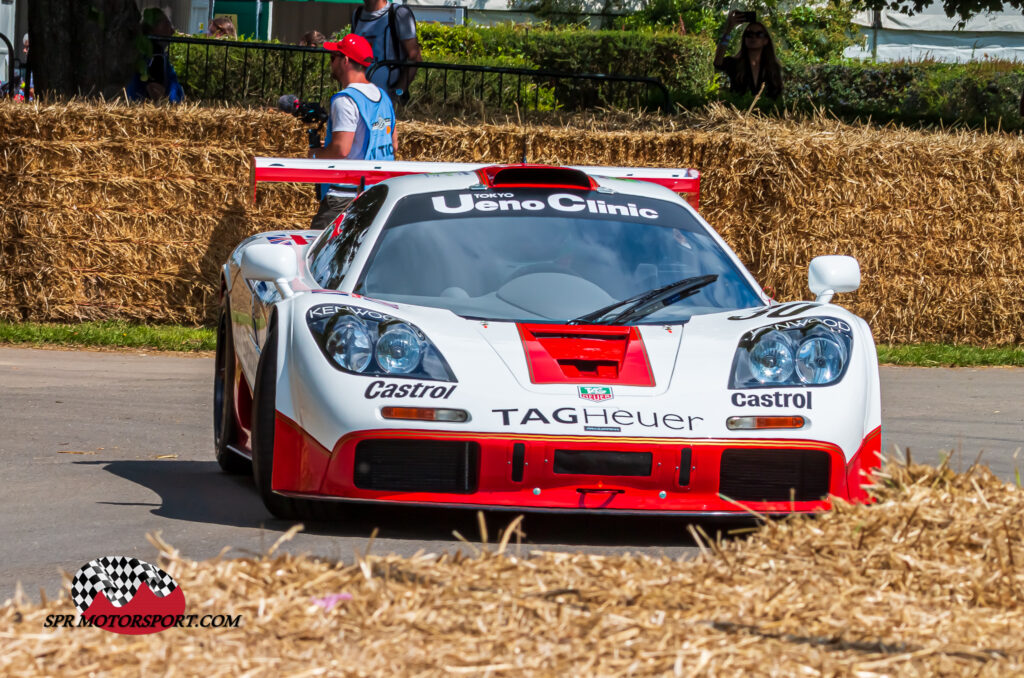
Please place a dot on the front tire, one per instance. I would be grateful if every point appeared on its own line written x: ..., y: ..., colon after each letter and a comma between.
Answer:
x: 225, y: 430
x: 264, y: 414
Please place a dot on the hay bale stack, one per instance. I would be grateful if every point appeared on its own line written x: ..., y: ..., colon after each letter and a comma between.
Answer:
x: 927, y: 583
x: 121, y: 212
x: 129, y: 211
x: 932, y: 217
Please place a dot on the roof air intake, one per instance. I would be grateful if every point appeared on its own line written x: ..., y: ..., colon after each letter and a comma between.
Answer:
x: 560, y: 177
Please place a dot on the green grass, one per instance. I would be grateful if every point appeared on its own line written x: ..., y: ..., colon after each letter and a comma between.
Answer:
x: 947, y: 355
x: 116, y: 334
x: 113, y: 334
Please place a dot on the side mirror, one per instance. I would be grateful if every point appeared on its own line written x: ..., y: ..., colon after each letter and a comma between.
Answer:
x: 271, y: 263
x: 832, y: 274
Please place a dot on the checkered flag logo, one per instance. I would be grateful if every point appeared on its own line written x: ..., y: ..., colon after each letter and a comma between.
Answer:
x: 119, y: 579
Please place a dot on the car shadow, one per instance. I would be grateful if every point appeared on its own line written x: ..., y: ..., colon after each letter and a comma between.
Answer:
x: 198, y: 491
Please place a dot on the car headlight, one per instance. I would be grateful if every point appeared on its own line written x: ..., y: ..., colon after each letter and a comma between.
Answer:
x: 799, y: 352
x: 349, y: 344
x: 399, y: 350
x: 367, y: 342
x: 819, y: 360
x: 771, y: 359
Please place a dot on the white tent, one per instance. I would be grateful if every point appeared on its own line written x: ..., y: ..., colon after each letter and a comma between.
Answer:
x: 487, y: 12
x: 930, y: 34
x: 7, y: 28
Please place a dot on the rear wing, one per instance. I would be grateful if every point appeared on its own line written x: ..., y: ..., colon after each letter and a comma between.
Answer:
x: 353, y: 176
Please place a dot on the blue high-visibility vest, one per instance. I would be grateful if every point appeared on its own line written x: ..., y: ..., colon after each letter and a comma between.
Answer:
x: 379, y: 118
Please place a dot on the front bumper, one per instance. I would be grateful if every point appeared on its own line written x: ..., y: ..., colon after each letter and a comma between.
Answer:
x: 558, y: 473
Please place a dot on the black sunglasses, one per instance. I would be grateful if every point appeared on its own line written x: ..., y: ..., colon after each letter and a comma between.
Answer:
x: 755, y: 34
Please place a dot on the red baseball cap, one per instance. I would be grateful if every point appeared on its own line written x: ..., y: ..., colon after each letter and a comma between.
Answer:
x: 355, y: 47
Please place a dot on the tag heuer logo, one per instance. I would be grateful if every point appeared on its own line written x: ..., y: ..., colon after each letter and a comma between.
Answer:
x: 596, y: 393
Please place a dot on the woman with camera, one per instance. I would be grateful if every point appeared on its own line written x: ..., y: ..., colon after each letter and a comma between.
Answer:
x: 755, y: 65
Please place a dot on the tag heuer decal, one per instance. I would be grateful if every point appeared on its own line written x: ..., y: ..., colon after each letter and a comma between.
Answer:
x: 596, y: 393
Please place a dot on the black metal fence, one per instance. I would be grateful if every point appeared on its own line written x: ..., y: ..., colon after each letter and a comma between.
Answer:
x: 528, y: 89
x: 257, y: 73
x: 247, y: 73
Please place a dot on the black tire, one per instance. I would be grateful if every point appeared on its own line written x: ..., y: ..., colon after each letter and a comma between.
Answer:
x: 263, y: 415
x: 225, y: 431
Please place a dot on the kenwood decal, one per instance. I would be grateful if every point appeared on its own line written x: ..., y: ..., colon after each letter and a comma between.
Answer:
x: 328, y: 310
x: 833, y: 324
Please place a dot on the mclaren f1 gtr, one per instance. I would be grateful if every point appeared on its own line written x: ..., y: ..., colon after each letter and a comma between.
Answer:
x: 530, y: 337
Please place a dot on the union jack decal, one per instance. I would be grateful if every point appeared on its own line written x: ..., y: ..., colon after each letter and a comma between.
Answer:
x: 287, y: 239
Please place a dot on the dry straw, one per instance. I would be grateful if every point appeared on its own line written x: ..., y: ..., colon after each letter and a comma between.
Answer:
x: 928, y: 582
x: 128, y: 212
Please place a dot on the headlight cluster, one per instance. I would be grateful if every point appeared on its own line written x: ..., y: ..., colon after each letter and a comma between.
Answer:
x: 367, y: 342
x: 800, y: 352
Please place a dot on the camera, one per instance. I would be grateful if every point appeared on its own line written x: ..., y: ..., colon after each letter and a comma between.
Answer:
x: 311, y: 113
x: 748, y: 17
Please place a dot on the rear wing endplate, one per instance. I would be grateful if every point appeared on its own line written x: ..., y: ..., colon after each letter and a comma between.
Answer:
x: 355, y: 175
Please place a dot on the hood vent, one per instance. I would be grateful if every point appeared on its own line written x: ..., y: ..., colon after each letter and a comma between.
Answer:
x: 571, y: 354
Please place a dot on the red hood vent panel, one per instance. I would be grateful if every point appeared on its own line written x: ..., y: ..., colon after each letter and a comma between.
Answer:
x: 585, y: 354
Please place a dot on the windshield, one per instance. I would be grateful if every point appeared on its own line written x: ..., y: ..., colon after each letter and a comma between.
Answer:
x: 529, y: 254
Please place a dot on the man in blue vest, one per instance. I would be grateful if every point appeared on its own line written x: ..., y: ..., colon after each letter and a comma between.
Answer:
x: 361, y: 125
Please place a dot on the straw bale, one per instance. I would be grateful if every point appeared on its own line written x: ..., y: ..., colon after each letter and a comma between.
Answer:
x: 927, y: 582
x: 90, y: 191
x: 268, y: 132
x: 932, y: 216
x: 117, y: 259
x: 289, y: 204
x: 160, y: 158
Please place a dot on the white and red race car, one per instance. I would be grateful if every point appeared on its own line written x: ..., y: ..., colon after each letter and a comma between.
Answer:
x: 534, y: 338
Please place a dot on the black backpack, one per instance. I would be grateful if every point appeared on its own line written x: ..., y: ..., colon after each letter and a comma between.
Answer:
x: 393, y: 10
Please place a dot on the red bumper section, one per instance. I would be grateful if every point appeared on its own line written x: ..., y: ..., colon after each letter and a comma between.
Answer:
x: 533, y: 472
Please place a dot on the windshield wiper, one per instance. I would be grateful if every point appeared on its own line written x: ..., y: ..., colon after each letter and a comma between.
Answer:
x: 646, y: 303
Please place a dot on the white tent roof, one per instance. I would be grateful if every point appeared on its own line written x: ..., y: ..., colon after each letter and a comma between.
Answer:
x: 930, y: 34
x: 933, y: 18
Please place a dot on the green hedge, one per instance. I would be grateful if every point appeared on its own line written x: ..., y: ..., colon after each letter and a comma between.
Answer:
x: 682, y: 62
x: 470, y: 90
x: 984, y: 94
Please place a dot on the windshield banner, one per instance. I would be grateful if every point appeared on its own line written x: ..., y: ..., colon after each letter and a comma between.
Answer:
x: 536, y: 203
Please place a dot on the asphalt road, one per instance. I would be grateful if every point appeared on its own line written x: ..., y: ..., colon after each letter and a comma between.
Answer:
x: 98, y: 449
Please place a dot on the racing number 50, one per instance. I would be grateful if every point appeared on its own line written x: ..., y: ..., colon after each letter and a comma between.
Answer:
x: 780, y: 311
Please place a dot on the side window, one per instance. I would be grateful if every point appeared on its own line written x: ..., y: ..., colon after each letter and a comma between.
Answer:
x: 331, y: 257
